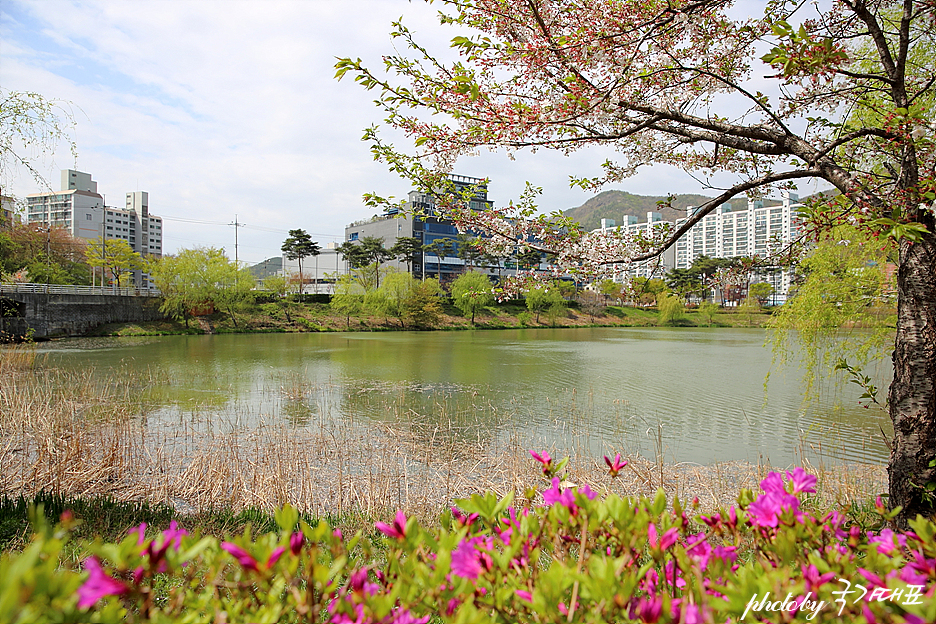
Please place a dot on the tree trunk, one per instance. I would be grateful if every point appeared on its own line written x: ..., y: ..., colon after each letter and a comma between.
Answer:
x: 912, y: 395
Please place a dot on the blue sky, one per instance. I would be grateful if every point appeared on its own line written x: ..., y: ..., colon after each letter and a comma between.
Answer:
x: 224, y: 108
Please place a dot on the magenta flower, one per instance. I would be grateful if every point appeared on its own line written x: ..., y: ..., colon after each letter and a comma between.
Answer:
x: 544, y: 459
x: 397, y: 529
x: 663, y: 543
x: 140, y: 531
x: 647, y: 609
x: 886, y: 541
x: 404, y: 616
x: 692, y: 615
x: 274, y: 556
x: 699, y: 549
x: 802, y: 481
x: 98, y: 585
x: 614, y: 467
x: 359, y: 582
x: 712, y: 521
x: 243, y: 557
x: 462, y: 519
x: 587, y: 492
x: 556, y: 495
x: 727, y: 554
x: 813, y: 579
x: 873, y: 579
x: 295, y: 542
x: 773, y: 484
x: 468, y: 561
x: 525, y: 595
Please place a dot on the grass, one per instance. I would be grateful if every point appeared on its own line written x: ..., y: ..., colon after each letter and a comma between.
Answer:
x: 109, y: 519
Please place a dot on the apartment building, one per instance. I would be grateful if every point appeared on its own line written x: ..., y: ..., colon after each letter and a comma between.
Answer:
x: 80, y: 209
x: 759, y: 230
x: 654, y: 268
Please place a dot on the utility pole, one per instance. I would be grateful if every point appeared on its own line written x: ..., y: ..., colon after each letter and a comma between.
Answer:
x: 236, y: 227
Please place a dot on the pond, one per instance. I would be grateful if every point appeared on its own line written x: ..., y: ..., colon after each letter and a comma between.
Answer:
x: 686, y: 395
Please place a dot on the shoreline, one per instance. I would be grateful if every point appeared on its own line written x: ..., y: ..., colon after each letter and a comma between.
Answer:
x: 312, y: 318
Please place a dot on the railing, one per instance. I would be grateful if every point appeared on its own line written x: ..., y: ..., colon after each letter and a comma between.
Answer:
x: 58, y: 289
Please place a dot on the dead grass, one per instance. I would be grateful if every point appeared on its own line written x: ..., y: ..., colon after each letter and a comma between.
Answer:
x: 85, y: 434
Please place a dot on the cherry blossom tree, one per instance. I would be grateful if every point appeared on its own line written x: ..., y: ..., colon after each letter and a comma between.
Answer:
x: 838, y: 91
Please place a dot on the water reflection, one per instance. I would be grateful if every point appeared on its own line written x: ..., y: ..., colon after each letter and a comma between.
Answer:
x: 693, y: 394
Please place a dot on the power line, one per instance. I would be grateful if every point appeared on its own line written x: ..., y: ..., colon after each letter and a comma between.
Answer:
x: 250, y: 227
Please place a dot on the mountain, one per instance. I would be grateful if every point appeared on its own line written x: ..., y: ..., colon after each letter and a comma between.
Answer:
x: 615, y: 204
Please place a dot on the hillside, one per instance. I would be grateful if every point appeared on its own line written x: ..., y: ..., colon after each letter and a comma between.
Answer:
x: 615, y: 204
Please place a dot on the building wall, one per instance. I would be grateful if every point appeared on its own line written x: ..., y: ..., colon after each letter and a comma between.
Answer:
x: 425, y: 227
x: 318, y: 272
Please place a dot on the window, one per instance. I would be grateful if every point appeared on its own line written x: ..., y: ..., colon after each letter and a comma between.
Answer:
x: 88, y: 216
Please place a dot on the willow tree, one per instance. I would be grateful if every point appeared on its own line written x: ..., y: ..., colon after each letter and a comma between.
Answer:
x: 677, y: 83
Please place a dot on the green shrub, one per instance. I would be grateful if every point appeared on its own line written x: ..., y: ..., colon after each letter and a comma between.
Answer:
x: 561, y: 554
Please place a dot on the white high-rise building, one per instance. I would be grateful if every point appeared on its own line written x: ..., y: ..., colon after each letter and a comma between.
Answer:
x: 80, y: 209
x: 756, y: 231
x: 654, y: 268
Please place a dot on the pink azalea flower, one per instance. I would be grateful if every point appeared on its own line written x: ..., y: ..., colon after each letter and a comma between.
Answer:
x: 243, y: 557
x: 663, y: 543
x: 98, y: 585
x: 462, y: 519
x: 397, y: 529
x: 727, y: 554
x: 274, y: 556
x: 404, y: 616
x: 614, y: 467
x: 873, y: 579
x: 525, y: 595
x: 295, y: 542
x: 556, y: 495
x: 587, y: 492
x: 468, y: 561
x: 699, y: 549
x: 802, y: 481
x: 887, y: 541
x: 647, y: 609
x: 773, y: 484
x: 359, y: 583
x: 140, y: 531
x: 544, y: 459
x: 813, y: 579
x: 692, y: 615
x: 174, y: 534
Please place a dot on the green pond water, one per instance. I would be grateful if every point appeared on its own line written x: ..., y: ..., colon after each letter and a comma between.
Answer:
x: 692, y: 395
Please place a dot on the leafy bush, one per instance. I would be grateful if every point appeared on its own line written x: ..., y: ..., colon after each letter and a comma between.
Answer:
x: 564, y: 554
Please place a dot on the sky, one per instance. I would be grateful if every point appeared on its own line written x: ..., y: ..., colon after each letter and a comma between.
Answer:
x: 228, y: 111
